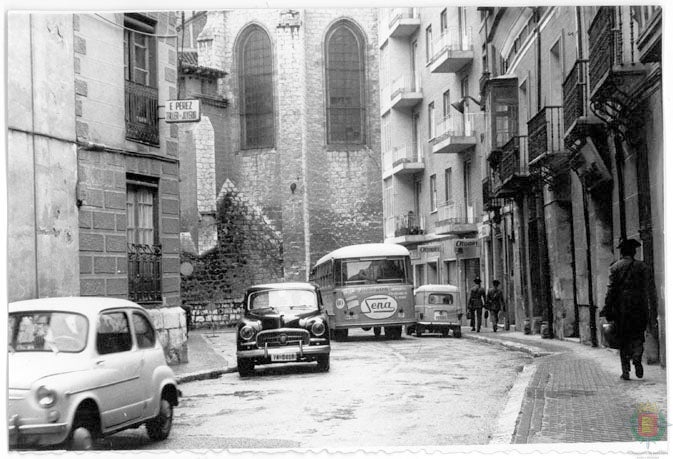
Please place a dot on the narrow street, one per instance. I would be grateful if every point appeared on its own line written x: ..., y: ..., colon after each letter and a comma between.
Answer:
x: 427, y: 391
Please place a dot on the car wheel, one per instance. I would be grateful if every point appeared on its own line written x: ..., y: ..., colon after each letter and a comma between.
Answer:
x: 445, y: 333
x: 80, y: 439
x: 366, y: 328
x: 377, y: 331
x: 410, y: 330
x: 159, y: 427
x: 341, y: 334
x: 419, y: 332
x: 245, y: 367
x: 457, y: 333
x: 323, y: 362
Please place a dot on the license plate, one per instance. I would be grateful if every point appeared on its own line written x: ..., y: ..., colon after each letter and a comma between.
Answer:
x: 441, y: 316
x: 283, y: 357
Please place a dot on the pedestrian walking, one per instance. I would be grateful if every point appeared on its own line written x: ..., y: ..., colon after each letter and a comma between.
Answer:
x: 626, y: 303
x: 475, y: 303
x: 495, y: 302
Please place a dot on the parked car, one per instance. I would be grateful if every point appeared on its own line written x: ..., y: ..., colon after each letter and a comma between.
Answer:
x: 282, y: 322
x: 84, y: 367
x: 438, y: 310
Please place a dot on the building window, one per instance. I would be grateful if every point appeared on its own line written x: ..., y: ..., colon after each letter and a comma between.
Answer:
x: 448, y: 185
x: 142, y: 237
x: 345, y: 72
x: 140, y: 91
x: 443, y: 25
x: 431, y: 120
x: 428, y: 43
x: 433, y: 193
x: 256, y: 89
x: 446, y: 103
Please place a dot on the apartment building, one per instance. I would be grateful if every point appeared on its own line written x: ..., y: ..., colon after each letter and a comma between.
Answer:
x: 572, y: 98
x: 92, y: 167
x: 430, y: 136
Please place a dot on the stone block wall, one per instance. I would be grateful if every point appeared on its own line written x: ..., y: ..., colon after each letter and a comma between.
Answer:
x: 171, y: 325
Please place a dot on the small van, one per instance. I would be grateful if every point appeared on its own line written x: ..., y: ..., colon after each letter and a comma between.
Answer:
x: 438, y: 310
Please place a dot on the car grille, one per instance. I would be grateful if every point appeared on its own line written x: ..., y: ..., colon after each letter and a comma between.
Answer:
x: 282, y: 337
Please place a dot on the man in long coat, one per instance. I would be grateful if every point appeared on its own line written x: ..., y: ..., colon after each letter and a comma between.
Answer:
x: 495, y: 302
x: 475, y: 303
x: 626, y: 303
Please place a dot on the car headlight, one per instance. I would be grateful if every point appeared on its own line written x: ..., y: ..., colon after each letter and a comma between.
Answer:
x: 46, y: 397
x: 318, y: 328
x: 246, y: 333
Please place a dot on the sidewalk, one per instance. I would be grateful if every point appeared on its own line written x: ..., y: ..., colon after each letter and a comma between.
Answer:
x: 211, y: 354
x: 574, y: 393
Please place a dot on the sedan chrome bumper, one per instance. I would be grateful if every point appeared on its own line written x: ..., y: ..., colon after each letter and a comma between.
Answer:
x: 267, y: 352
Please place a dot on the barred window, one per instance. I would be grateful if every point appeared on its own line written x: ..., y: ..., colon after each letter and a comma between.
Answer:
x: 256, y: 89
x: 345, y: 85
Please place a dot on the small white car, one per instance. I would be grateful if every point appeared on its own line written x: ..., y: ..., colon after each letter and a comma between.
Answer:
x: 438, y: 310
x: 84, y: 367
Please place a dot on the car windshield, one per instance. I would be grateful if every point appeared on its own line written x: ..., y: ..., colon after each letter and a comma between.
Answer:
x: 47, y: 331
x: 284, y: 301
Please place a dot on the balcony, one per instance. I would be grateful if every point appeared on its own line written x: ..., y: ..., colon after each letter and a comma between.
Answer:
x: 545, y: 139
x: 403, y: 23
x: 455, y: 218
x: 142, y: 118
x: 144, y: 273
x: 401, y: 161
x: 456, y: 133
x: 405, y: 229
x: 649, y: 38
x: 490, y: 201
x: 511, y: 173
x: 452, y: 51
x: 405, y: 93
x: 614, y: 68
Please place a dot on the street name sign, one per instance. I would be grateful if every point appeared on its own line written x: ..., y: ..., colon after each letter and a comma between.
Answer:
x: 183, y: 111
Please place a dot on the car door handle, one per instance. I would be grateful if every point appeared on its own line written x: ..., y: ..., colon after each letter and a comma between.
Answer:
x: 100, y: 362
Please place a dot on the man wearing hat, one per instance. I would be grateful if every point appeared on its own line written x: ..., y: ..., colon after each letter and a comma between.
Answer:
x: 475, y: 303
x: 626, y: 303
x: 495, y: 302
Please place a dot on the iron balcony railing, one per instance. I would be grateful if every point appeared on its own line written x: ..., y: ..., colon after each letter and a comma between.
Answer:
x: 545, y: 132
x: 400, y: 13
x: 453, y: 39
x: 409, y: 224
x: 575, y: 94
x: 142, y: 118
x: 397, y: 155
x: 144, y: 271
x: 455, y: 212
x: 488, y: 187
x: 464, y: 125
x: 404, y: 84
x: 514, y: 160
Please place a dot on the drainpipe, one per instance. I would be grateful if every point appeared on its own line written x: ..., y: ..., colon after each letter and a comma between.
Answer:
x: 619, y: 164
x: 573, y: 265
x: 590, y: 277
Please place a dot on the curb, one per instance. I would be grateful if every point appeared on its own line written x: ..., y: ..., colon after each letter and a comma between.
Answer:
x: 206, y: 374
x: 533, y: 351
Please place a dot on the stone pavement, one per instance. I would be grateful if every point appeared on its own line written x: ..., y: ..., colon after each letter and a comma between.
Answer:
x: 572, y: 392
x: 575, y: 393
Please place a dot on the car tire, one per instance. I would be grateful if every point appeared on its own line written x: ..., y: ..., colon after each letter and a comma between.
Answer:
x: 159, y: 427
x: 80, y: 438
x: 340, y: 334
x: 323, y: 363
x: 410, y: 330
x: 419, y: 332
x: 245, y: 367
x: 457, y: 333
x: 377, y: 331
x: 445, y: 333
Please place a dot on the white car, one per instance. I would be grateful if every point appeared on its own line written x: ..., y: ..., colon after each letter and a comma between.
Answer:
x: 85, y: 367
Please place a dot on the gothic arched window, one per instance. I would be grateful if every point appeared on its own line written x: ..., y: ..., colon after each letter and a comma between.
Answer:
x: 256, y: 89
x: 345, y: 73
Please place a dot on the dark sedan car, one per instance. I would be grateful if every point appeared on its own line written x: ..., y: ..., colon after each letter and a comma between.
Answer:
x: 282, y: 322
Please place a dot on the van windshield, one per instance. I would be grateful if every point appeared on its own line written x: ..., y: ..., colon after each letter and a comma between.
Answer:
x: 283, y: 301
x: 385, y: 270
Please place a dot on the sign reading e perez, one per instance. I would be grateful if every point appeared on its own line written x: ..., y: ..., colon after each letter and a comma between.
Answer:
x: 183, y: 111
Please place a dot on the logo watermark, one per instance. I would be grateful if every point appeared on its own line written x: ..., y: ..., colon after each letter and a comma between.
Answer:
x: 648, y: 423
